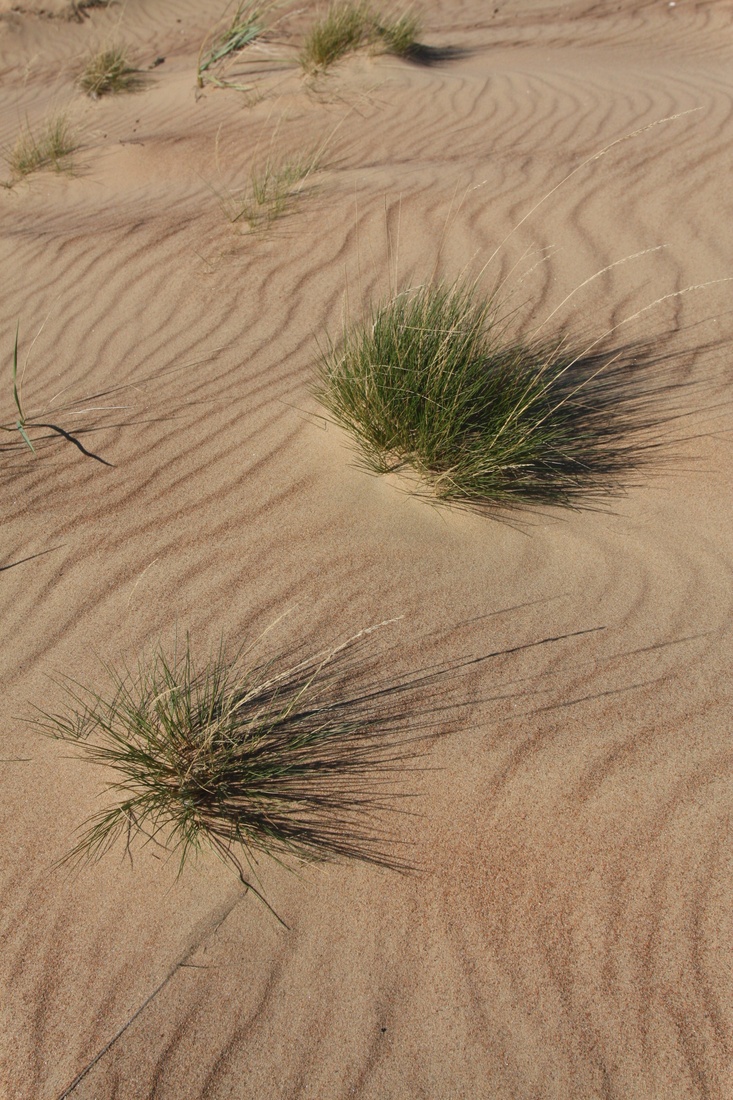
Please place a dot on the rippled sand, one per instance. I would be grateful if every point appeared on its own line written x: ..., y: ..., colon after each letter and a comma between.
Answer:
x: 569, y: 932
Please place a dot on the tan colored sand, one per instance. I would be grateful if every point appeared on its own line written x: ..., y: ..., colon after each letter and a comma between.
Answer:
x: 569, y: 935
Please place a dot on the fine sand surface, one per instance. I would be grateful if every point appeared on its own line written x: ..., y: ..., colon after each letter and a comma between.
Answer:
x: 569, y: 931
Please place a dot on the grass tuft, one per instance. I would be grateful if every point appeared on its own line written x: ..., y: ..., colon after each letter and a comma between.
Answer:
x: 245, y: 759
x: 432, y: 381
x: 271, y: 192
x: 50, y: 146
x: 349, y: 26
x: 109, y: 72
x: 248, y: 23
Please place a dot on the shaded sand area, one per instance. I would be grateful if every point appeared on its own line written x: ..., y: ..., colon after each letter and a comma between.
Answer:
x: 568, y: 933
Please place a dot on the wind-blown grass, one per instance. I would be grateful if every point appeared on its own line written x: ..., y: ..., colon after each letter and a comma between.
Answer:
x: 433, y: 381
x: 49, y: 146
x: 348, y: 27
x: 109, y: 72
x: 249, y: 22
x: 245, y: 759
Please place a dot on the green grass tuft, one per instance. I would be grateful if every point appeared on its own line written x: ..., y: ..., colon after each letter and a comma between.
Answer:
x: 50, y: 146
x: 271, y: 192
x: 245, y: 759
x: 109, y: 72
x: 348, y: 27
x: 249, y: 22
x: 433, y: 382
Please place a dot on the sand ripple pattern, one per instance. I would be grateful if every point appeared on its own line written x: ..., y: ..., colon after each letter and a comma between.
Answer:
x: 569, y: 933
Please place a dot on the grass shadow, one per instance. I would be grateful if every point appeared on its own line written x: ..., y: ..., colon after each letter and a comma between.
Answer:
x: 421, y: 54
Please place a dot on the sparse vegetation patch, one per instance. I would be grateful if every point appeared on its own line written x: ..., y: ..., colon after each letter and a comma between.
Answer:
x: 250, y: 20
x: 271, y: 191
x: 109, y: 72
x: 49, y: 146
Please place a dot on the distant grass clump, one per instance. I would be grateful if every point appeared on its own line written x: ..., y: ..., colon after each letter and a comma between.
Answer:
x: 348, y: 27
x: 271, y: 192
x: 79, y: 9
x: 109, y: 72
x: 49, y: 146
x: 241, y: 758
x: 433, y: 382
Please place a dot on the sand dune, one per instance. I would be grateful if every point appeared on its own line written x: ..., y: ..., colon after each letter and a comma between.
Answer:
x: 569, y: 931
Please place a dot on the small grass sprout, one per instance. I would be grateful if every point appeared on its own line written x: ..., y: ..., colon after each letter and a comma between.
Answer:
x: 292, y: 762
x: 49, y: 146
x: 109, y: 72
x: 433, y: 381
x: 25, y: 423
x: 349, y: 26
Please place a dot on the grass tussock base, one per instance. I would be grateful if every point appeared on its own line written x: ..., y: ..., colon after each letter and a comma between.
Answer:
x: 433, y: 381
x: 245, y: 759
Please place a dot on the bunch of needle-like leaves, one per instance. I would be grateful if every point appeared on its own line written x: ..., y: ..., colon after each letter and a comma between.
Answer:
x: 295, y: 762
x: 433, y: 380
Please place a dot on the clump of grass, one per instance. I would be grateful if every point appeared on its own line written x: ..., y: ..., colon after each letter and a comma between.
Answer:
x: 349, y: 26
x: 432, y: 381
x: 342, y: 30
x: 50, y: 146
x: 245, y: 759
x: 272, y: 190
x: 248, y: 23
x: 109, y: 72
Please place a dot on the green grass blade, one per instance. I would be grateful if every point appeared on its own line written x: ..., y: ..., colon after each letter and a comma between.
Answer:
x: 16, y: 395
x: 22, y: 431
